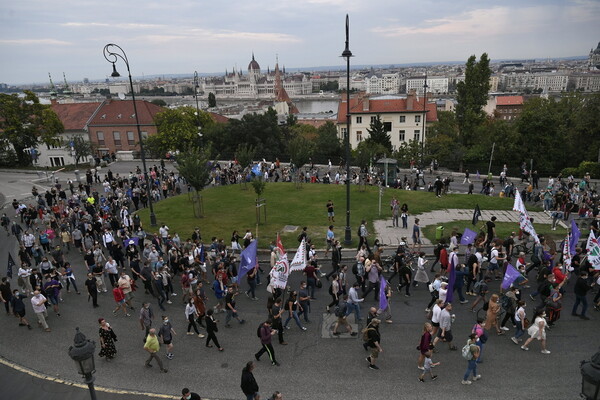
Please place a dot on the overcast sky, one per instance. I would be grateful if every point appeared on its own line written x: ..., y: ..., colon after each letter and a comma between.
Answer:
x: 180, y: 36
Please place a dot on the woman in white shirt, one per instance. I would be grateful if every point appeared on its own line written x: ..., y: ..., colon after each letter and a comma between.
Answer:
x: 435, y: 316
x: 537, y: 330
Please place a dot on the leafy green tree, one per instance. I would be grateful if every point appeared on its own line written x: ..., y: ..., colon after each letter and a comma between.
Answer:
x: 259, y: 185
x: 212, y: 100
x: 300, y: 150
x: 366, y: 152
x: 193, y: 165
x: 378, y: 134
x: 259, y: 130
x: 81, y: 148
x: 24, y: 123
x: 177, y: 129
x: 245, y: 154
x: 327, y: 144
x: 472, y: 95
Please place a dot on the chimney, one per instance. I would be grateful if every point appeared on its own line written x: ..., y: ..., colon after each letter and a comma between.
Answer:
x: 410, y: 99
x: 366, y: 103
x: 53, y: 101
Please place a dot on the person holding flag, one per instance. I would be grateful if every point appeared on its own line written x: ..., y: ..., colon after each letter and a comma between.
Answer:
x: 385, y: 293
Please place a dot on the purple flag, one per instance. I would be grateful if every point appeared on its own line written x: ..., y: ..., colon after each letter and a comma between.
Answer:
x: 575, y: 234
x: 247, y: 259
x: 468, y: 237
x: 451, y: 280
x: 510, y: 276
x: 383, y: 301
x: 132, y: 241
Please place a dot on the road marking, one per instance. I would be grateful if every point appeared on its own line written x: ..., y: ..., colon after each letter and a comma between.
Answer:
x: 49, y: 378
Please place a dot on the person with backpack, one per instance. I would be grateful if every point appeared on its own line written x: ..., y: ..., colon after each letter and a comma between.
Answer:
x: 437, y: 253
x: 340, y: 313
x: 508, y: 301
x: 470, y: 352
x: 334, y: 291
x: 481, y: 288
x: 265, y: 332
x: 372, y: 339
x: 482, y: 336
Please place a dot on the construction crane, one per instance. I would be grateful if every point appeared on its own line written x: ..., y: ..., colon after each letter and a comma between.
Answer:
x: 66, y: 90
x: 53, y: 92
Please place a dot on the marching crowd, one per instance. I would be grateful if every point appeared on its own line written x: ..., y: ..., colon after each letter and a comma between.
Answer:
x: 97, y: 219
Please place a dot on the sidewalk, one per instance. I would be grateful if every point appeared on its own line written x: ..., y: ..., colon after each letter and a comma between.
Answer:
x: 388, y: 234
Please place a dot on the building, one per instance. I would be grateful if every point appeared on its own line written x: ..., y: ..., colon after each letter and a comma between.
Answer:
x: 380, y: 83
x: 505, y: 108
x: 435, y: 84
x: 401, y: 116
x: 74, y: 117
x: 552, y: 82
x: 594, y: 58
x: 585, y: 82
x: 113, y: 127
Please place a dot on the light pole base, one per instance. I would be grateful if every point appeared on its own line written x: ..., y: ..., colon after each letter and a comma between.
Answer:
x: 347, y: 236
x: 152, y: 219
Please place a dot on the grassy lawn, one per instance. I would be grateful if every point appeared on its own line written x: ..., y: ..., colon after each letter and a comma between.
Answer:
x: 503, y: 229
x: 229, y: 207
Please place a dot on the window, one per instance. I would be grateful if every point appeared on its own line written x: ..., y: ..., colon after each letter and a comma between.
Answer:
x: 359, y: 120
x: 343, y: 130
x: 402, y: 118
x: 373, y: 119
x: 57, y: 161
x: 100, y: 136
x: 359, y: 136
x: 130, y: 138
x: 144, y: 135
x: 402, y: 135
x: 387, y: 126
x: 117, y: 138
x: 417, y: 118
x: 417, y: 136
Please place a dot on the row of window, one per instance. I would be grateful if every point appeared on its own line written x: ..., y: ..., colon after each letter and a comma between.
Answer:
x: 401, y: 135
x: 401, y: 120
x: 131, y: 138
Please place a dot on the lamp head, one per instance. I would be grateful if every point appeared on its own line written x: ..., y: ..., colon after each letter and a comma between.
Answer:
x: 115, y: 73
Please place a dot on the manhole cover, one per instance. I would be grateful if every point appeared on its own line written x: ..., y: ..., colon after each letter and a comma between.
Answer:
x: 290, y: 228
x: 224, y: 365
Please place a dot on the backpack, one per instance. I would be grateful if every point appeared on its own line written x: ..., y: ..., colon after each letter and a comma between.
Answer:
x: 340, y: 311
x: 365, y: 334
x: 358, y: 232
x: 477, y: 286
x: 486, y: 305
x: 355, y: 269
x: 258, y: 330
x: 466, y: 352
x: 505, y: 302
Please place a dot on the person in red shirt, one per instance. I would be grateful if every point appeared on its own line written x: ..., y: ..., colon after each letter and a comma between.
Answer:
x: 120, y: 300
x: 558, y: 274
x: 444, y: 261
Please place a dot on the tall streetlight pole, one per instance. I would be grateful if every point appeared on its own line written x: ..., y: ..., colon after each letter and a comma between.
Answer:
x: 424, y: 123
x: 112, y: 53
x: 347, y: 54
x: 196, y: 85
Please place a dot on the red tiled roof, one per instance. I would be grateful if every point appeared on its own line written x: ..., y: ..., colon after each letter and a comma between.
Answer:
x: 74, y: 116
x: 218, y: 118
x: 120, y: 112
x: 383, y: 106
x: 509, y: 100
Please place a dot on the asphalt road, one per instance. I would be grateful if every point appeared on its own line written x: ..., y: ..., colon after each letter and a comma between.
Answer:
x: 312, y: 366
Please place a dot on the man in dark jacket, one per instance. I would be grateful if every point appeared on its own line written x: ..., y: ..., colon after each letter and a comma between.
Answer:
x: 581, y: 289
x: 266, y: 332
x: 249, y: 385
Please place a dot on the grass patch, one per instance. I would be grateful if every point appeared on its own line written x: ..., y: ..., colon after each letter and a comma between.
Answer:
x: 503, y: 229
x: 229, y: 207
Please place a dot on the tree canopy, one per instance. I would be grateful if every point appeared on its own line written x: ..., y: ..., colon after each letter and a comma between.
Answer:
x: 177, y: 129
x: 25, y: 123
x: 194, y: 166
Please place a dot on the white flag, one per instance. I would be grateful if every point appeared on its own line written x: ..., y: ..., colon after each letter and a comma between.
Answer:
x: 567, y: 254
x: 518, y: 204
x: 281, y: 270
x: 593, y: 251
x: 299, y: 261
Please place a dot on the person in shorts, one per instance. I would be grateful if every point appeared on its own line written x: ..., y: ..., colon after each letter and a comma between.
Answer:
x: 342, y: 321
x: 427, y: 365
x: 119, y: 297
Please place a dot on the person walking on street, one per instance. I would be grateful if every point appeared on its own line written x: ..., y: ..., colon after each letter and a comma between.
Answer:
x: 211, y: 329
x: 373, y: 339
x: 38, y: 301
x: 519, y: 322
x: 18, y: 307
x: 119, y: 297
x: 248, y: 384
x: 537, y: 330
x: 92, y: 289
x: 107, y: 340
x: 276, y: 312
x: 445, y: 332
x: 266, y: 333
x: 354, y: 302
x: 581, y: 289
x: 230, y: 307
x: 425, y: 345
x: 363, y: 236
x: 191, y: 315
x: 166, y: 333
x: 146, y: 316
x: 471, y: 357
x: 416, y: 236
x: 186, y: 394
x: 152, y: 346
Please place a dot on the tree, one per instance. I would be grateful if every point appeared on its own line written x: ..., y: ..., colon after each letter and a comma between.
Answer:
x: 472, y: 95
x: 194, y: 166
x: 259, y: 130
x: 327, y: 144
x: 366, y: 152
x: 300, y: 150
x: 81, y: 148
x: 212, y: 100
x: 24, y: 123
x: 245, y: 154
x: 259, y: 184
x: 177, y: 129
x: 378, y: 134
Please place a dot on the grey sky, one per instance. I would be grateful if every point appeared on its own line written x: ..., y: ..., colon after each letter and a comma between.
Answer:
x: 180, y: 36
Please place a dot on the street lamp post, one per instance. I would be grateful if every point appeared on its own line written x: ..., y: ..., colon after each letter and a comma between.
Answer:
x: 112, y: 56
x: 424, y: 123
x: 347, y: 54
x: 196, y: 85
x: 83, y: 354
